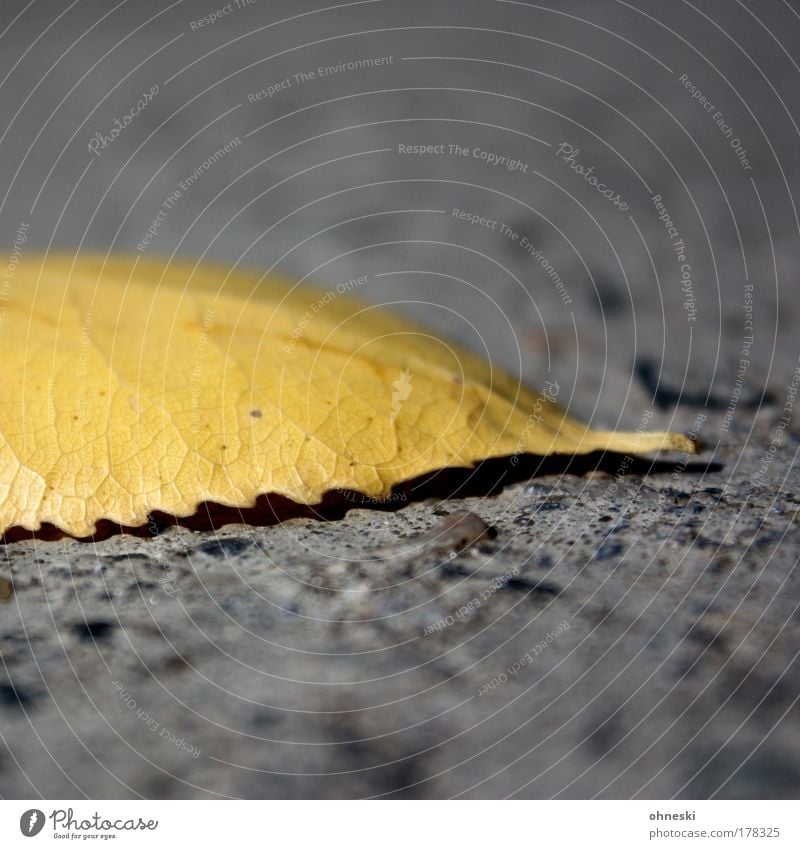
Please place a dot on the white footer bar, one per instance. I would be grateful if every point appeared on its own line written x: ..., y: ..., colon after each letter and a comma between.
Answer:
x: 403, y: 824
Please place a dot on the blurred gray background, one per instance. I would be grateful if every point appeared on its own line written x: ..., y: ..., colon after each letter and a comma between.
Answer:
x: 294, y: 668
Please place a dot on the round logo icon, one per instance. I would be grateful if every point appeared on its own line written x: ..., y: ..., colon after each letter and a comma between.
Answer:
x: 31, y: 822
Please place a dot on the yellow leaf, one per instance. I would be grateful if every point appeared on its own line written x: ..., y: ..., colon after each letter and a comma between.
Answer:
x: 131, y: 386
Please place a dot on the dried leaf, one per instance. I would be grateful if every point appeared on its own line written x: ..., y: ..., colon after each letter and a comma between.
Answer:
x: 132, y: 385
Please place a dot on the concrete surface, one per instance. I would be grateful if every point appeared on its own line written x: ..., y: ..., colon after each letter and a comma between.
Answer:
x: 630, y: 631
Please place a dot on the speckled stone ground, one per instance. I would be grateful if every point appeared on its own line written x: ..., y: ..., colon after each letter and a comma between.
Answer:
x: 631, y: 629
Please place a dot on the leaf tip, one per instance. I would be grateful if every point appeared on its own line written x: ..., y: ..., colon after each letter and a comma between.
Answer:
x: 688, y: 443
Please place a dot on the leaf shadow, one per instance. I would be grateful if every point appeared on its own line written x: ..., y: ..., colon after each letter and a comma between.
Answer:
x: 485, y: 479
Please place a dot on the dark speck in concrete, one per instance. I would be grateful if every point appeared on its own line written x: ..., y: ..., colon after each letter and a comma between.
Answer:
x: 94, y: 629
x: 224, y: 546
x: 13, y: 696
x: 609, y: 550
x: 539, y: 588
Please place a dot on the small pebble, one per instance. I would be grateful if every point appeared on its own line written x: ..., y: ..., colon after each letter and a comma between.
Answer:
x: 538, y: 489
x: 454, y: 532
